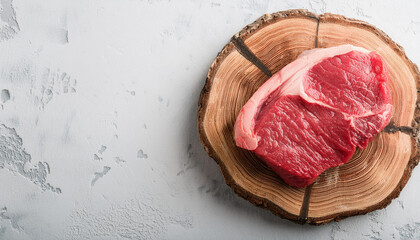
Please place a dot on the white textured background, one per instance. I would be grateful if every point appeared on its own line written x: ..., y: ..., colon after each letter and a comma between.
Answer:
x: 98, y: 135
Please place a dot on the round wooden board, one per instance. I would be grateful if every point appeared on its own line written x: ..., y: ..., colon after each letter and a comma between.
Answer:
x: 370, y: 180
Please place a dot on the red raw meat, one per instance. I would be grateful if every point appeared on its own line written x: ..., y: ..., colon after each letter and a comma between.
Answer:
x: 311, y: 115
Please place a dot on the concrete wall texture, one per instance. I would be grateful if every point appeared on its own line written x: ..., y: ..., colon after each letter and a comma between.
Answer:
x: 98, y: 136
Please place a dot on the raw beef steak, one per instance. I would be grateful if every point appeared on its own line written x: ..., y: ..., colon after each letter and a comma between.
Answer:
x: 311, y: 115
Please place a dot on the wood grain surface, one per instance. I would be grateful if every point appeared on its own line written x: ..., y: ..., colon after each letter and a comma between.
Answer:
x: 370, y: 180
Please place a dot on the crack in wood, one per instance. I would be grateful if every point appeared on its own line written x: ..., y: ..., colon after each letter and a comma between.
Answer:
x: 316, y: 34
x: 249, y: 55
x: 303, y: 215
x: 391, y: 128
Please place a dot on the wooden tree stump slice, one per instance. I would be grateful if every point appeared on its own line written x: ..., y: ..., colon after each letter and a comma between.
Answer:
x: 370, y: 180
